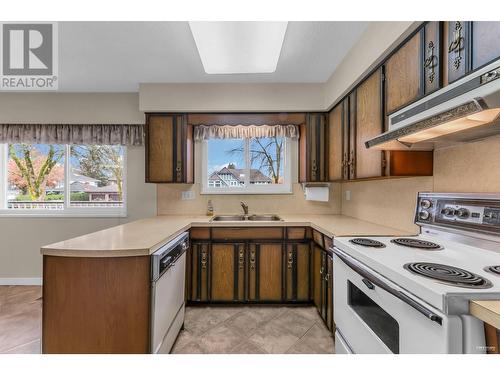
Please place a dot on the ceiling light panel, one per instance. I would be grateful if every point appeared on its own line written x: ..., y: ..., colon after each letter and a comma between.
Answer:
x: 239, y: 47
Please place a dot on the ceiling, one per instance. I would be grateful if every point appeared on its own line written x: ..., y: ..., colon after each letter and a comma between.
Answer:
x: 117, y: 56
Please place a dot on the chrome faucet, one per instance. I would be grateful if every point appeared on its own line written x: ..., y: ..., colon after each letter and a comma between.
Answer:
x: 245, y: 207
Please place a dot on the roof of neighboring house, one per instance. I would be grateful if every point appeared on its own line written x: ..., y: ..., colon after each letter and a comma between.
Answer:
x: 78, y: 187
x: 255, y: 175
x: 75, y: 176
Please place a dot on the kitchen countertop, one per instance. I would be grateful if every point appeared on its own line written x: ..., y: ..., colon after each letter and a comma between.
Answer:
x: 487, y: 311
x: 143, y: 237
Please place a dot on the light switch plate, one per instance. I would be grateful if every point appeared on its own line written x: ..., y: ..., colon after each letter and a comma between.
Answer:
x: 187, y: 195
x: 347, y: 195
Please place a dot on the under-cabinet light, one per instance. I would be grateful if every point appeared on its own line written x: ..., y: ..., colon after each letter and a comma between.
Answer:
x: 468, y: 122
x: 239, y: 47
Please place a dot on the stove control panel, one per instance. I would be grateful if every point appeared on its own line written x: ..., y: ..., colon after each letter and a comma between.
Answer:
x: 461, y: 211
x: 491, y: 216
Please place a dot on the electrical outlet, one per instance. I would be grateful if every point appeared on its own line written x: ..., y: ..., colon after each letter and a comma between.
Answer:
x: 187, y: 195
x: 347, y: 195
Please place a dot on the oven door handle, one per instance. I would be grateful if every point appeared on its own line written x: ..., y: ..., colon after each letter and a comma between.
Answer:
x: 362, y: 270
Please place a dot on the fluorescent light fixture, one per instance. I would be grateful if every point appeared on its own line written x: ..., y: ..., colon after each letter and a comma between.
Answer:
x: 239, y: 47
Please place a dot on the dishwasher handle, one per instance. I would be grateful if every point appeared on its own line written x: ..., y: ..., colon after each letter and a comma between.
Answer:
x: 370, y: 278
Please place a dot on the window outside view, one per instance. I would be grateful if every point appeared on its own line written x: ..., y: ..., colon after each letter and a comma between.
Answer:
x: 36, y: 176
x: 230, y: 160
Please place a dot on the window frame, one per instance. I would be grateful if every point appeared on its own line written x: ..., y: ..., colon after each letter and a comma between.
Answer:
x: 248, y: 189
x: 67, y: 211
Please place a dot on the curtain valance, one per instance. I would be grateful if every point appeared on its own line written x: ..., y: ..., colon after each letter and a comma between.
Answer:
x: 90, y: 134
x: 203, y: 132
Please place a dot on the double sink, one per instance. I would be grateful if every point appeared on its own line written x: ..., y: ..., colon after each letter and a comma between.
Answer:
x: 267, y: 217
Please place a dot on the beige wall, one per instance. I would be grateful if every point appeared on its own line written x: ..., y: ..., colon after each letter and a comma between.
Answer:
x: 230, y: 97
x: 22, y: 237
x: 468, y: 168
x: 387, y: 202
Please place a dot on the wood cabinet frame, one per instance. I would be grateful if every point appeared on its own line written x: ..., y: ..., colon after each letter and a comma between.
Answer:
x: 180, y: 167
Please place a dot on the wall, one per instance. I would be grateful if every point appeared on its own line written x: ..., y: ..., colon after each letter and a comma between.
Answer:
x: 170, y: 203
x: 20, y: 260
x: 230, y: 97
x: 387, y: 202
x: 469, y: 168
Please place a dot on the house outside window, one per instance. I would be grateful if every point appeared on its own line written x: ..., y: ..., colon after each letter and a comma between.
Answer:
x: 65, y: 180
x: 246, y: 166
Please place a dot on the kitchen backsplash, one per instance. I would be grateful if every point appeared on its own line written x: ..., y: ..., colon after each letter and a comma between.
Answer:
x: 170, y: 203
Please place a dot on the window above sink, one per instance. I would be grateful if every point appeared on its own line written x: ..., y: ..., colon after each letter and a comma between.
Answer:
x: 246, y: 166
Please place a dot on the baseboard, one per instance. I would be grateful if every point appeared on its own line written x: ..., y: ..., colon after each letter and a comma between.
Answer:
x: 21, y: 281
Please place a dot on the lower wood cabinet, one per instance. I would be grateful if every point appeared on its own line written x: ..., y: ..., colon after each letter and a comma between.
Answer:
x: 249, y: 270
x: 226, y: 265
x: 266, y: 272
x: 322, y: 275
x: 226, y: 272
x: 297, y: 272
x: 197, y: 272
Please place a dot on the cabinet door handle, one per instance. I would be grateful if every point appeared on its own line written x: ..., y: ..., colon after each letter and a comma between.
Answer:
x: 252, y: 259
x: 368, y: 284
x: 241, y: 259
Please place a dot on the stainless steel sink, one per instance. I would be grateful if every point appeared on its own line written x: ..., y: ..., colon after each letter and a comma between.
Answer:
x: 264, y: 218
x: 267, y: 217
x: 229, y: 218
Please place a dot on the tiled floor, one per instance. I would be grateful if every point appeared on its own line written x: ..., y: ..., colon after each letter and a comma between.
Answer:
x: 238, y: 329
x: 20, y: 319
x: 253, y: 330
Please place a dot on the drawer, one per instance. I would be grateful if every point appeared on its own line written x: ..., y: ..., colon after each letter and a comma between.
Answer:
x: 296, y: 233
x: 200, y: 233
x: 248, y: 233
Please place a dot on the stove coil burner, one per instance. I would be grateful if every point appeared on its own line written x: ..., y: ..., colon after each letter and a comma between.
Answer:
x: 417, y: 244
x: 368, y: 242
x: 448, y: 275
x: 493, y: 269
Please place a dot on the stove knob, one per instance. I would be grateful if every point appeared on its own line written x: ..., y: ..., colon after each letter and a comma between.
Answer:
x: 425, y: 203
x: 424, y: 215
x: 462, y: 213
x: 448, y: 211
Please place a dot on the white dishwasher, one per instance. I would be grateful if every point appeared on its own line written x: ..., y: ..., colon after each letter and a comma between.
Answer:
x: 168, y: 266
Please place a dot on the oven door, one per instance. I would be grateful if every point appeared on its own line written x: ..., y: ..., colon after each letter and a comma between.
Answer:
x: 376, y: 316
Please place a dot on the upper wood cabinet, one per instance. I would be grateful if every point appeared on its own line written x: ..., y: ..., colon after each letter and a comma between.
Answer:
x: 485, y: 42
x: 456, y: 51
x: 335, y: 143
x: 169, y: 149
x: 403, y: 75
x: 313, y: 163
x: 432, y: 57
x: 369, y: 122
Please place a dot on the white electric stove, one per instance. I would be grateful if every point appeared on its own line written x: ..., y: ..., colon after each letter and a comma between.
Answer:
x: 411, y: 294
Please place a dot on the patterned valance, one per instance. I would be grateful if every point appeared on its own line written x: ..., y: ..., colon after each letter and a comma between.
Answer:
x: 203, y: 132
x: 89, y: 134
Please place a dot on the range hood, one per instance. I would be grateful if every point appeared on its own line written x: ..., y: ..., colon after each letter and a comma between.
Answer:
x: 463, y: 111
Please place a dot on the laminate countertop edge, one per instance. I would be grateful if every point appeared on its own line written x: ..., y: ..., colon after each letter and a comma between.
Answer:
x: 487, y: 311
x: 143, y: 237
